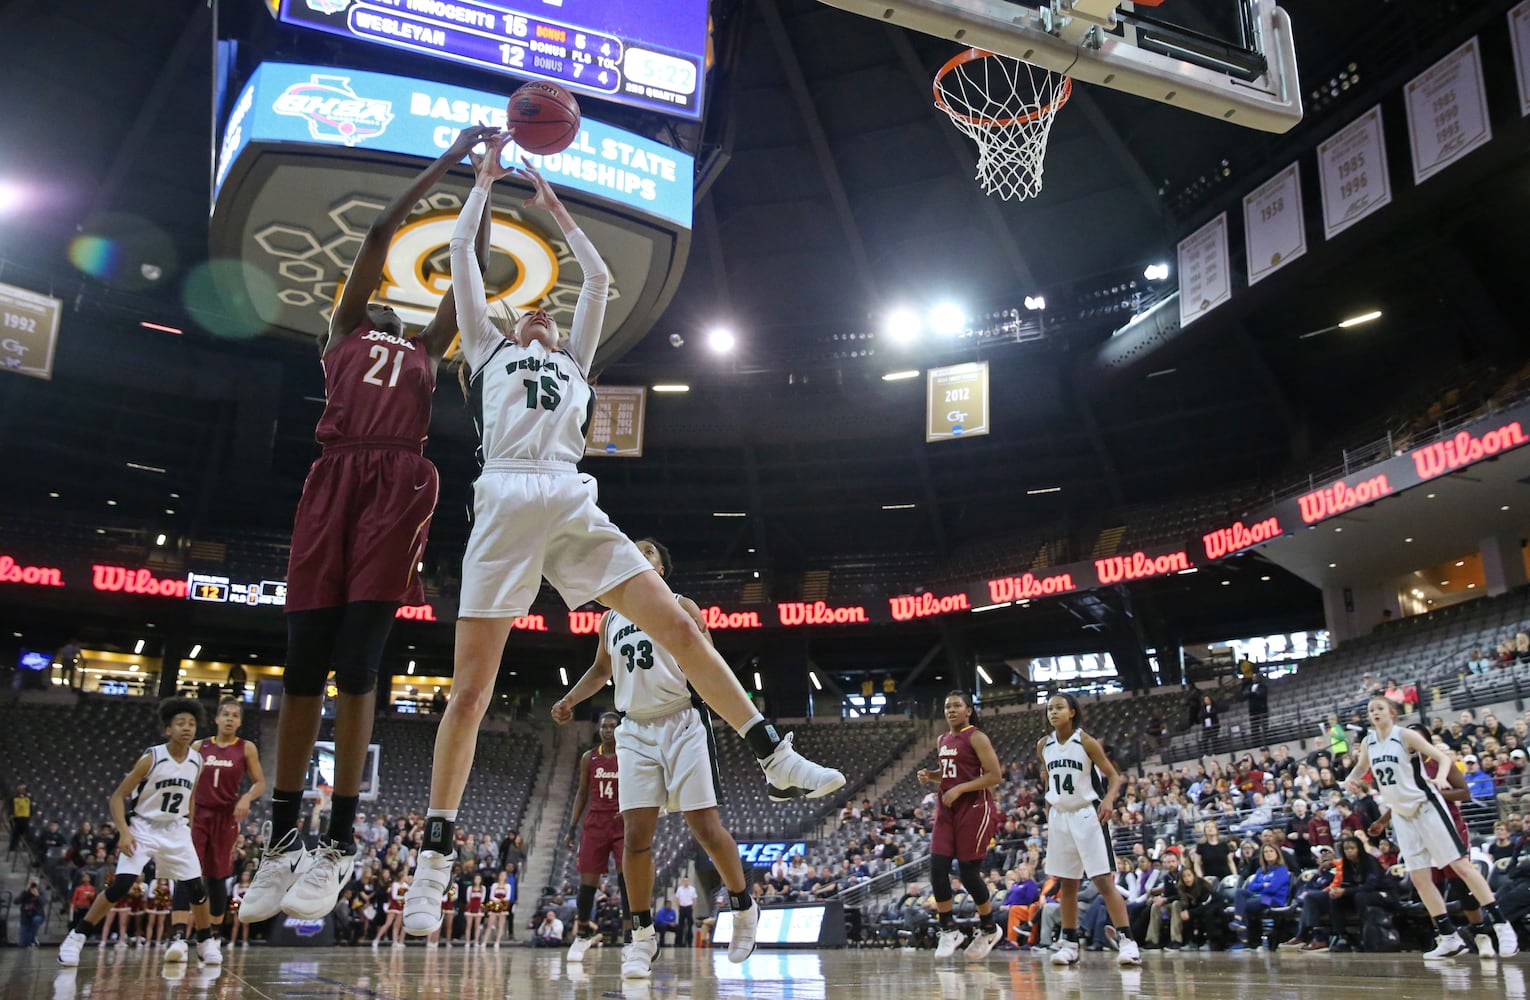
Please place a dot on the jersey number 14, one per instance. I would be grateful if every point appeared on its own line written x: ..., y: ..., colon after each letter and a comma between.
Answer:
x: 1063, y: 783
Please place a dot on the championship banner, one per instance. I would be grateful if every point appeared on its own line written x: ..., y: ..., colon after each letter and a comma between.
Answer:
x: 1275, y: 233
x: 1447, y: 111
x: 28, y: 331
x: 616, y: 425
x: 1205, y: 280
x: 956, y: 401
x: 1519, y: 34
x: 1353, y: 167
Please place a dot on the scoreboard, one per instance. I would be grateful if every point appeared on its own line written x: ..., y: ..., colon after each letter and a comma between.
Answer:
x: 648, y: 54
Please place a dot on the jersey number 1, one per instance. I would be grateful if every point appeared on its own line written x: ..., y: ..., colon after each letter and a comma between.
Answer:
x: 379, y: 355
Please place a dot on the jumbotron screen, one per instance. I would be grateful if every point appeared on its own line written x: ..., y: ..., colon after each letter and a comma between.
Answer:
x: 648, y: 55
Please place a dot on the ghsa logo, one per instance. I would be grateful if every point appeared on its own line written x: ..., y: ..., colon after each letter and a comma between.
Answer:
x: 328, y: 6
x: 334, y: 111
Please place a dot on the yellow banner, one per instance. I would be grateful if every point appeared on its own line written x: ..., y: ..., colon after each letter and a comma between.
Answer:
x: 616, y: 426
x: 957, y: 401
x: 28, y: 331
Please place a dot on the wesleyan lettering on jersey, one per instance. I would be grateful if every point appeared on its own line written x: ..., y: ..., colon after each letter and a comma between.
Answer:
x: 164, y: 783
x: 534, y: 364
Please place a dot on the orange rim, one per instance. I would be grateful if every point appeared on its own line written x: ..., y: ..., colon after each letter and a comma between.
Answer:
x: 972, y: 55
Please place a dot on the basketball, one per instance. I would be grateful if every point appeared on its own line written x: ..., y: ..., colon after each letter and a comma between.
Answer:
x: 543, y: 116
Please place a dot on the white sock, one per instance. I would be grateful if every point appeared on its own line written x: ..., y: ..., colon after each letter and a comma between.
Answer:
x: 756, y: 717
x: 450, y: 814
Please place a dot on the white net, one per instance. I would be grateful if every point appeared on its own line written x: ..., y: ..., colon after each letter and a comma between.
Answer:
x: 1006, y: 106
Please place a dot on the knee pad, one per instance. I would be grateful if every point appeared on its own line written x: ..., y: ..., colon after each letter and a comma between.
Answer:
x: 310, y: 648
x: 972, y: 881
x: 363, y: 635
x: 940, y: 878
x: 195, y: 889
x: 120, y: 886
x: 217, y: 896
x: 178, y: 900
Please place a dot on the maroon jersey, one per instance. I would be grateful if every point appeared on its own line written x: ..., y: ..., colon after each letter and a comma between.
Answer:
x: 959, y: 763
x: 1442, y: 875
x: 222, y: 774
x: 377, y: 386
x: 603, y: 782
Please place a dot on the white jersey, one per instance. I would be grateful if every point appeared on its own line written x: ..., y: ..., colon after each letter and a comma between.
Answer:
x: 1399, y: 774
x: 530, y: 404
x: 164, y: 794
x: 1071, y: 779
x: 648, y: 681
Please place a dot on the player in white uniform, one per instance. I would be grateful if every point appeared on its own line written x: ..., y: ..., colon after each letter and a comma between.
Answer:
x: 667, y: 761
x: 534, y: 516
x: 1078, y: 847
x: 152, y: 808
x: 1426, y: 838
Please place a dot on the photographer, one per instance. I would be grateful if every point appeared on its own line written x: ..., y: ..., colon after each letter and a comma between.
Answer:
x: 34, y: 908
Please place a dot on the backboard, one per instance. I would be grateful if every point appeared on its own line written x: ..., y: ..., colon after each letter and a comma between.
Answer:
x: 1228, y: 59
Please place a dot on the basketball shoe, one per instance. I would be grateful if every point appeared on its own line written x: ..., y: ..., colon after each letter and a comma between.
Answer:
x: 745, y: 924
x: 637, y: 957
x: 578, y: 948
x: 947, y: 943
x: 281, y: 865
x: 210, y: 952
x: 1065, y: 953
x: 982, y: 943
x: 1127, y: 953
x: 422, y: 903
x: 69, y: 949
x: 1508, y: 941
x: 317, y: 889
x: 177, y: 952
x: 1448, y: 946
x: 793, y: 776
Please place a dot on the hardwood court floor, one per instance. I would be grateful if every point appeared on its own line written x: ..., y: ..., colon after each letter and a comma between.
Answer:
x: 395, y: 974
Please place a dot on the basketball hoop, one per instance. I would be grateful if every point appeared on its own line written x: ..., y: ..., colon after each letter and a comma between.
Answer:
x: 1006, y: 106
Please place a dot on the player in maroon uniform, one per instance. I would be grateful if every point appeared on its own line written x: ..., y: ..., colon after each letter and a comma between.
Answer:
x: 357, y: 538
x: 966, y: 819
x: 602, y: 833
x: 1445, y: 879
x: 226, y: 759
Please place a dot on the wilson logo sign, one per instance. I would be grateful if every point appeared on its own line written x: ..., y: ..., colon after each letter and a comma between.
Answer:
x: 1023, y: 588
x: 1139, y: 565
x: 1322, y: 504
x: 1226, y: 541
x: 923, y: 605
x: 1465, y: 449
x: 819, y: 613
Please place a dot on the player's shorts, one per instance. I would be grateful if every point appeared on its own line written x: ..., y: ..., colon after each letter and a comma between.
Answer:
x: 539, y: 519
x: 361, y: 525
x: 965, y: 832
x: 214, y: 835
x: 168, y: 845
x: 1428, y: 839
x: 669, y: 762
x: 601, y: 836
x: 1077, y: 845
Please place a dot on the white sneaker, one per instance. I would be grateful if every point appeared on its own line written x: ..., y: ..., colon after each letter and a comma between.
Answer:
x: 432, y: 944
x: 982, y: 943
x: 69, y: 949
x: 1508, y: 941
x: 177, y: 952
x: 210, y: 951
x: 637, y: 957
x: 398, y: 944
x: 947, y: 943
x: 422, y: 903
x: 317, y: 889
x: 745, y: 924
x: 1485, y: 949
x: 1066, y: 953
x: 1127, y: 952
x: 578, y: 948
x: 1448, y: 946
x: 280, y: 866
x: 793, y: 776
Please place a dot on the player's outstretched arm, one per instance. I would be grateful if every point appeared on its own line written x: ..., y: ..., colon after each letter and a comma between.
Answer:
x: 590, y: 310
x: 441, y: 331
x: 593, y: 680
x: 367, y: 269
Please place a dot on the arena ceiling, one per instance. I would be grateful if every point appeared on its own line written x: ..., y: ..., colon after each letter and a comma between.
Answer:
x: 836, y: 190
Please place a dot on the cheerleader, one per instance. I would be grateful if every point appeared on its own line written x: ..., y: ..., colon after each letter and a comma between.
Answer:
x: 475, y: 896
x: 497, y: 906
x: 159, y: 910
x: 236, y: 897
x: 448, y: 915
x: 121, y: 910
x: 394, y: 921
x: 137, y: 905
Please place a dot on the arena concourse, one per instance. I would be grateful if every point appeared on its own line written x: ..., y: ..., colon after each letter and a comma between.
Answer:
x: 1210, y: 416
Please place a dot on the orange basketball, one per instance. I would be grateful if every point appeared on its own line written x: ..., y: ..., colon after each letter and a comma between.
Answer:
x: 543, y: 116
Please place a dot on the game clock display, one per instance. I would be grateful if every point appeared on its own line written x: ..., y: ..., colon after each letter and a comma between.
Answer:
x: 648, y: 55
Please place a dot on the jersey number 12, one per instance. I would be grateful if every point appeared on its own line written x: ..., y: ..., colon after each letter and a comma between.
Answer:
x: 171, y: 802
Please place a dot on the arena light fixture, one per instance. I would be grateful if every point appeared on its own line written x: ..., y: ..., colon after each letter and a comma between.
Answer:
x: 1044, y: 489
x: 989, y: 607
x: 1265, y: 579
x: 899, y: 376
x: 138, y: 648
x: 563, y: 675
x: 159, y: 539
x: 757, y: 685
x: 812, y: 676
x: 721, y: 340
x: 671, y: 387
x: 984, y: 674
x: 902, y: 325
x: 160, y: 327
x: 1156, y: 272
x: 1366, y: 317
x: 195, y: 651
x: 411, y: 668
x: 729, y: 513
x: 897, y: 506
x: 1035, y: 303
x: 948, y: 319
